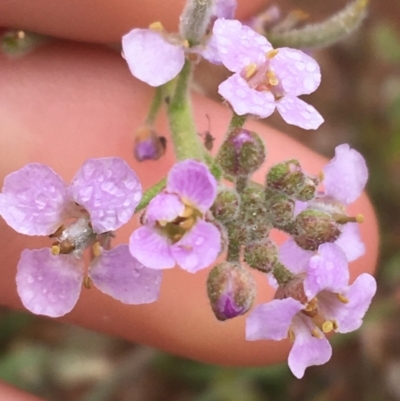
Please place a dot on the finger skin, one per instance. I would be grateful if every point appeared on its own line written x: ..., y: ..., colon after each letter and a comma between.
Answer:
x: 64, y: 103
x: 98, y: 20
x: 9, y: 393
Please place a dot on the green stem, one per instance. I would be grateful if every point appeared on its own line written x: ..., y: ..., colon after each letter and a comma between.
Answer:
x: 150, y: 194
x: 155, y: 105
x: 183, y: 131
x: 236, y: 122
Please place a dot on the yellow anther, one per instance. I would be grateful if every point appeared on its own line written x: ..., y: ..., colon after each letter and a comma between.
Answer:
x: 162, y: 223
x: 342, y: 298
x: 21, y: 34
x: 87, y: 282
x: 188, y: 223
x: 291, y: 335
x: 272, y: 79
x: 360, y: 218
x: 312, y: 305
x: 188, y: 211
x: 327, y: 326
x: 321, y: 175
x: 250, y: 70
x: 97, y: 249
x: 55, y: 249
x: 156, y: 26
x: 185, y: 43
x: 272, y: 53
x: 316, y: 333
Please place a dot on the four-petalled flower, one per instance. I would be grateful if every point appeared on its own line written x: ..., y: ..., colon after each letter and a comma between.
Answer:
x: 101, y: 198
x: 327, y: 304
x: 175, y: 229
x: 264, y: 78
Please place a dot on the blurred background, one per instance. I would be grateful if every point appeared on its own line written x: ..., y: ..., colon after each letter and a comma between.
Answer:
x: 360, y: 100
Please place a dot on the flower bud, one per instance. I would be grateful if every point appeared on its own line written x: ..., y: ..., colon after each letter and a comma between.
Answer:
x: 226, y: 205
x: 254, y: 214
x: 148, y: 145
x: 313, y: 228
x: 286, y: 177
x: 242, y: 153
x: 281, y: 209
x: 195, y: 19
x: 261, y: 255
x: 231, y: 290
x: 307, y: 192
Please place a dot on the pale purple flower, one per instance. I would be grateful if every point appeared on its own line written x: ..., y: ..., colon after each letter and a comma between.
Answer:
x: 101, y: 198
x: 345, y: 175
x: 264, y: 78
x: 332, y: 305
x: 175, y: 231
x: 156, y: 57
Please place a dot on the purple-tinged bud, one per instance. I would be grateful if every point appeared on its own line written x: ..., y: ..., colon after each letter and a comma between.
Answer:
x: 261, y: 255
x: 286, y: 177
x: 281, y: 209
x: 148, y: 145
x: 226, y: 206
x: 313, y: 228
x: 307, y: 192
x: 231, y: 290
x: 242, y: 153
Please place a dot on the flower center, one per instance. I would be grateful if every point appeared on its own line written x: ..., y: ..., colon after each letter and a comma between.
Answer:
x: 178, y: 227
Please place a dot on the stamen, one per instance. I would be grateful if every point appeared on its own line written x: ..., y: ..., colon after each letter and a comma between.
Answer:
x: 327, y: 326
x: 342, y: 298
x: 187, y: 224
x: 250, y: 70
x: 349, y: 219
x: 317, y: 334
x: 58, y: 232
x: 321, y: 175
x: 87, y: 282
x: 97, y: 249
x: 156, y: 26
x: 55, y: 249
x: 312, y: 305
x: 335, y: 325
x: 272, y: 53
x: 162, y: 223
x: 188, y: 211
x: 272, y: 78
x: 185, y: 44
x: 291, y: 335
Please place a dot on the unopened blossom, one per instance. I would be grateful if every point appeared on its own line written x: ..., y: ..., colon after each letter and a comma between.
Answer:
x: 101, y: 198
x: 156, y: 57
x: 327, y: 304
x: 175, y: 230
x: 265, y: 79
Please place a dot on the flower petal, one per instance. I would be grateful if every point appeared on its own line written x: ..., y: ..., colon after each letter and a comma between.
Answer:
x: 151, y: 249
x: 109, y: 190
x: 194, y: 183
x: 349, y: 315
x: 345, y: 175
x: 307, y: 350
x: 49, y: 284
x: 298, y: 73
x: 146, y: 51
x: 239, y: 45
x: 293, y: 257
x: 198, y: 248
x: 118, y: 274
x: 164, y: 207
x: 224, y: 8
x: 210, y: 51
x: 350, y: 241
x: 297, y: 112
x: 328, y: 270
x: 34, y: 200
x: 245, y: 100
x: 272, y: 320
